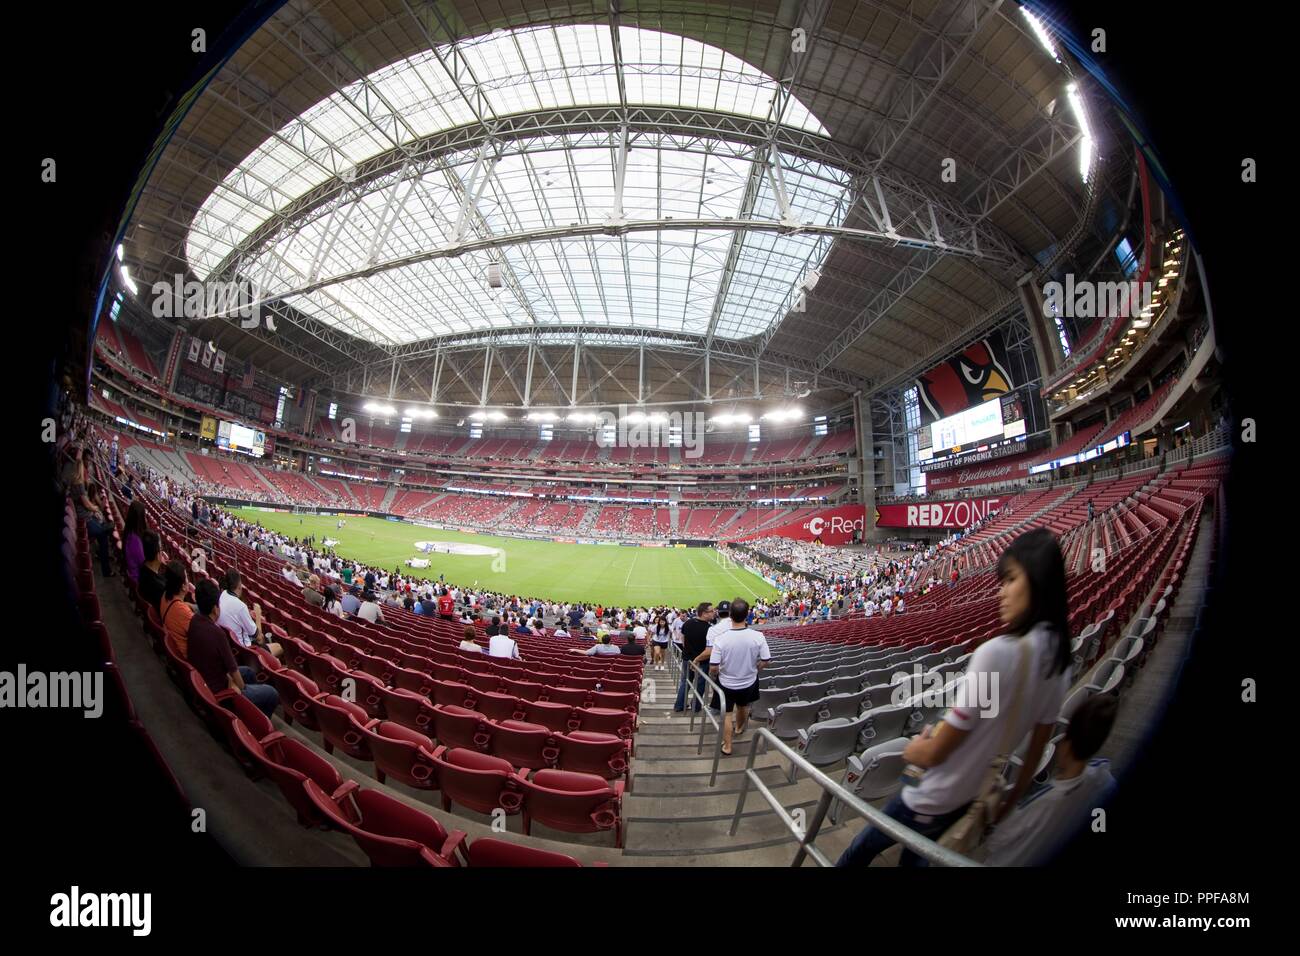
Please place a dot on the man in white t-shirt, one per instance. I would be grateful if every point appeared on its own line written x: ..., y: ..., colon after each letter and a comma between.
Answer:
x: 369, y: 610
x: 1050, y: 815
x: 738, y: 655
x: 502, y: 645
x: 235, y: 616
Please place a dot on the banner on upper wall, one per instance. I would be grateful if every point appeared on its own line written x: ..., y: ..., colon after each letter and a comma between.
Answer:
x: 1011, y: 468
x: 828, y: 526
x: 979, y: 374
x: 936, y: 514
x: 208, y: 428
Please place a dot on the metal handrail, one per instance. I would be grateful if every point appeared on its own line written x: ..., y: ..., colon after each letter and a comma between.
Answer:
x: 923, y: 847
x: 705, y: 710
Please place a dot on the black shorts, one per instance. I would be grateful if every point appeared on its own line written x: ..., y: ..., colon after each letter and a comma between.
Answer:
x: 739, y: 698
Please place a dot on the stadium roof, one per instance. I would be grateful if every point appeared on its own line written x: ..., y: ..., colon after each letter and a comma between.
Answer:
x: 760, y: 184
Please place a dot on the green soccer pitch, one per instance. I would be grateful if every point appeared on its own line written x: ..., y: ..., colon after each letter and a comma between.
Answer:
x: 608, y: 574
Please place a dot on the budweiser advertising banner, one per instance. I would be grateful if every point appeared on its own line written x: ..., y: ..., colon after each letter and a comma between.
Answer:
x: 936, y: 514
x: 829, y: 526
x: 1011, y: 468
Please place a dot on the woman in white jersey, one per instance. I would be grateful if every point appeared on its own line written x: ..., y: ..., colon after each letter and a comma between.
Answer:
x: 1021, y: 677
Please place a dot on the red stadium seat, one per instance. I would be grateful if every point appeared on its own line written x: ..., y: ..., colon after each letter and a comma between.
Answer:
x: 453, y: 693
x: 409, y: 709
x: 488, y: 682
x: 388, y: 831
x: 369, y: 693
x: 481, y: 782
x: 581, y: 751
x: 459, y: 727
x: 551, y: 716
x: 525, y: 745
x: 209, y: 706
x: 569, y: 696
x: 496, y: 706
x: 257, y: 723
x: 327, y: 671
x: 615, y: 701
x: 603, y: 720
x: 403, y: 754
x: 414, y: 681
x: 296, y: 694
x: 573, y: 802
x: 524, y: 690
x: 290, y: 764
x: 341, y: 724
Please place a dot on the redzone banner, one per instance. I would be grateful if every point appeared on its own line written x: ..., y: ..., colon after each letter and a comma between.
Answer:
x: 829, y: 526
x: 1012, y: 468
x: 936, y: 514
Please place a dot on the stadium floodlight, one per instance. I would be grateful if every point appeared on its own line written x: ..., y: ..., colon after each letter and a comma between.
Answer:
x: 793, y: 413
x: 379, y: 408
x: 542, y: 416
x: 1085, y: 135
x: 414, y: 412
x: 121, y: 253
x: 497, y: 416
x: 127, y: 280
x: 1040, y: 31
x: 635, y: 418
x: 658, y: 417
x: 732, y: 418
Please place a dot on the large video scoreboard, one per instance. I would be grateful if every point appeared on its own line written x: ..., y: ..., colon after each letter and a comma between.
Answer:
x: 974, y: 429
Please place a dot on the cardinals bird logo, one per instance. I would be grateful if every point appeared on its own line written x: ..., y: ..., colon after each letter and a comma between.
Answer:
x: 964, y: 380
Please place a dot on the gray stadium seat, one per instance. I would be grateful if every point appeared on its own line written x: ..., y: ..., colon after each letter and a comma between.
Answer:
x: 874, y: 774
x: 1130, y: 651
x: 829, y: 741
x: 887, y: 722
x: 1083, y: 648
x: 769, y: 698
x: 848, y: 684
x: 882, y: 675
x: 1108, y: 679
x: 809, y: 691
x: 844, y: 705
x: 788, y: 719
x: 878, y: 695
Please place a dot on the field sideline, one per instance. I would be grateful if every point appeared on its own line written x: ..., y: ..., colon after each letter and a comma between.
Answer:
x: 545, y: 569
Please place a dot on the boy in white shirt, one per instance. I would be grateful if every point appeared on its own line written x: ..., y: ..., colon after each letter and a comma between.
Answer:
x: 1046, y: 819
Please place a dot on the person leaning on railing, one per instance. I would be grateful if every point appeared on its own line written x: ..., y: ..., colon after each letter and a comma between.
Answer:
x: 1014, y: 685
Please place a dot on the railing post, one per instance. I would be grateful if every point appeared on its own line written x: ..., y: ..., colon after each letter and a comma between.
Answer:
x: 744, y: 785
x: 814, y: 827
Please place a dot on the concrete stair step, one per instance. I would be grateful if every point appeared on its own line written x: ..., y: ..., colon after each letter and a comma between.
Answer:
x: 671, y: 806
x: 710, y: 834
